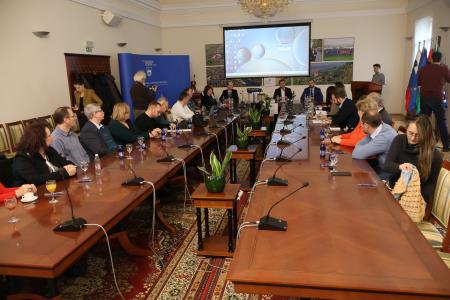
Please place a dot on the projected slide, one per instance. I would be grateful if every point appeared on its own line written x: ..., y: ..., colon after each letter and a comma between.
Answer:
x: 267, y: 51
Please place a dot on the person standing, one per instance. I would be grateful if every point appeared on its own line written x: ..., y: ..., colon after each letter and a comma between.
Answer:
x: 282, y: 92
x: 140, y: 94
x: 313, y: 92
x: 432, y: 78
x: 83, y: 97
x: 378, y: 77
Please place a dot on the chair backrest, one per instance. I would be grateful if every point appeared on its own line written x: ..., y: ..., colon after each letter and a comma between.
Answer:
x: 441, y: 202
x: 6, y: 176
x: 27, y: 122
x: 15, y: 132
x: 49, y: 120
x: 4, y: 144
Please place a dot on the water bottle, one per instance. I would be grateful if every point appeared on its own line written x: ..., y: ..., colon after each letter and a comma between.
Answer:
x: 323, y: 150
x: 98, y: 165
x: 322, y: 134
x: 163, y: 135
x: 120, y: 152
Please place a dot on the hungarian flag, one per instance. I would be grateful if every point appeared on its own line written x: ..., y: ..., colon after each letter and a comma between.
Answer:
x: 410, y: 96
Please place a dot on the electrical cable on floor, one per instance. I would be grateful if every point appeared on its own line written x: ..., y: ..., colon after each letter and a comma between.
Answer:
x: 186, y: 188
x: 201, y: 153
x: 110, y: 256
x: 246, y: 225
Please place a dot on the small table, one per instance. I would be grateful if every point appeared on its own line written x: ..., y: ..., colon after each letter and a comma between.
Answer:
x: 216, y: 245
x: 247, y: 154
x: 262, y: 133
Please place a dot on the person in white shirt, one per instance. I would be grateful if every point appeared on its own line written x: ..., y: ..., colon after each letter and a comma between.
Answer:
x: 180, y: 110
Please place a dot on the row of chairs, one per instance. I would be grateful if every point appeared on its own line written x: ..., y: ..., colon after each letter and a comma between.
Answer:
x: 11, y: 133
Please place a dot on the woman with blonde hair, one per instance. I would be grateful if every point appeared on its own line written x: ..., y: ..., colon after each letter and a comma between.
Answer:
x: 354, y: 137
x: 416, y: 147
x: 121, y: 128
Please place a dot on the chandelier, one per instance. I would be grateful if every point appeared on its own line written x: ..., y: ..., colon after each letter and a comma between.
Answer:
x: 263, y: 8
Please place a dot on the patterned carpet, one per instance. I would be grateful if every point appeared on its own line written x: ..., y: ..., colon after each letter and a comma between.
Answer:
x: 181, y: 275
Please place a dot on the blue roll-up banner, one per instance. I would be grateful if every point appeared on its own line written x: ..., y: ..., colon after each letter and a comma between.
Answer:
x: 169, y: 72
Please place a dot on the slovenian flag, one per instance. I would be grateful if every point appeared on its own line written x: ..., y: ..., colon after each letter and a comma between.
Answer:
x: 411, y: 90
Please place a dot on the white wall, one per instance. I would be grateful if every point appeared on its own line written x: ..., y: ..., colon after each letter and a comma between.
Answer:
x: 439, y: 10
x: 378, y: 39
x: 33, y: 78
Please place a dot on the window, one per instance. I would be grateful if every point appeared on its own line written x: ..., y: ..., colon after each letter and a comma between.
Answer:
x: 422, y: 32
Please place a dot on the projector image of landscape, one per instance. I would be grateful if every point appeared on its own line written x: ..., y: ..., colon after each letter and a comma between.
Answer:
x: 267, y: 51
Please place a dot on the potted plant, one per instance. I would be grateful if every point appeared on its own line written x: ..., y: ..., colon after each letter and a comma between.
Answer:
x: 265, y: 110
x: 242, y: 139
x: 255, y: 118
x: 215, y: 181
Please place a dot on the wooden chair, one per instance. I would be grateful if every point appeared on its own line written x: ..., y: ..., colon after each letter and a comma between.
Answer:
x: 15, y: 132
x: 49, y: 120
x: 27, y: 122
x: 4, y: 144
x: 440, y: 213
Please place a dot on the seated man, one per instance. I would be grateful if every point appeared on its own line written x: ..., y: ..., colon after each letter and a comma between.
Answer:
x: 385, y: 116
x: 180, y: 110
x: 377, y: 141
x: 347, y: 116
x: 230, y: 92
x: 314, y: 92
x: 95, y: 137
x: 147, y: 121
x: 65, y: 141
x: 282, y: 92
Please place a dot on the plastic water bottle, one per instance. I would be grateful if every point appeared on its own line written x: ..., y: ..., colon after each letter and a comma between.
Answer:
x: 323, y: 150
x: 163, y: 135
x: 322, y: 134
x: 98, y: 165
x: 120, y: 152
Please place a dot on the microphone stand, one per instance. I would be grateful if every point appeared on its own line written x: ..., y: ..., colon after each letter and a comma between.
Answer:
x: 74, y: 224
x: 167, y: 158
x: 276, y: 181
x: 284, y: 130
x: 283, y: 142
x: 269, y: 223
x: 136, y: 181
x: 187, y: 145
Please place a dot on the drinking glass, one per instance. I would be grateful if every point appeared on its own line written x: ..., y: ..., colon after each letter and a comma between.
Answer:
x: 140, y: 141
x: 10, y: 204
x: 50, y: 185
x: 129, y: 150
x: 334, y: 159
x: 84, y: 165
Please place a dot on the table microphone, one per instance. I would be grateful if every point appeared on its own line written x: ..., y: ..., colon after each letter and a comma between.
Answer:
x: 135, y: 180
x: 276, y: 181
x: 167, y: 158
x: 284, y: 131
x: 269, y: 223
x: 186, y: 145
x: 74, y: 224
x: 284, y: 142
x: 288, y: 122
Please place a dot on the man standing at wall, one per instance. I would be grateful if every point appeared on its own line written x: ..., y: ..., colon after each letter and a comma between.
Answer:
x: 378, y: 77
x: 432, y: 78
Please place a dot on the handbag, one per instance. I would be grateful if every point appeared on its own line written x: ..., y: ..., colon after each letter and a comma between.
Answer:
x: 197, y: 120
x: 407, y: 191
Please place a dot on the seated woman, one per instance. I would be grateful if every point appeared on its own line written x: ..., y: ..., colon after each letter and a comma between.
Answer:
x: 35, y: 161
x: 385, y: 116
x: 83, y: 97
x: 416, y: 147
x: 17, y: 192
x: 353, y: 138
x: 180, y: 110
x: 208, y: 99
x: 121, y: 128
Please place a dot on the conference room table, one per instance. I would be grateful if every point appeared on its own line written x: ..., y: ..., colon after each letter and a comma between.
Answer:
x: 346, y: 237
x: 31, y: 248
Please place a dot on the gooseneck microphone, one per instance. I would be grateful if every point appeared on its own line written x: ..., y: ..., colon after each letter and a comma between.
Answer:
x: 284, y: 130
x: 282, y: 158
x: 274, y: 180
x: 167, y: 158
x: 269, y: 223
x: 74, y: 224
x: 283, y: 142
x: 135, y: 180
x: 186, y: 145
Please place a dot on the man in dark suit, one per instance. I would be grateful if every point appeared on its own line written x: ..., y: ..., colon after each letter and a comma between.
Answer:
x: 312, y: 91
x: 95, y: 137
x: 282, y: 92
x: 347, y: 116
x: 230, y: 92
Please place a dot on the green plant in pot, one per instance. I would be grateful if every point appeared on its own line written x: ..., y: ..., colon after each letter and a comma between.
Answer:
x: 265, y: 110
x: 242, y: 137
x: 215, y: 181
x: 255, y: 118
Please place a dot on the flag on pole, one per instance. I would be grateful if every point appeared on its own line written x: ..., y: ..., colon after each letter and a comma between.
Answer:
x: 410, y: 96
x: 422, y: 63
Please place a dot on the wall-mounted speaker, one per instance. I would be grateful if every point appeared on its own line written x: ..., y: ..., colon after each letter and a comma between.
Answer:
x: 110, y: 19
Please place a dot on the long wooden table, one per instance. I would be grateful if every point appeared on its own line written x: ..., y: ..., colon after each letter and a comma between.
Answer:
x: 342, y: 241
x: 31, y: 248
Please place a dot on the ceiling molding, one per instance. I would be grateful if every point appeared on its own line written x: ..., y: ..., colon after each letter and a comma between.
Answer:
x: 224, y: 21
x: 137, y: 15
x: 416, y: 5
x: 150, y: 4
